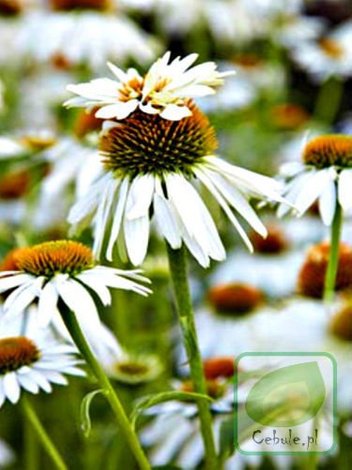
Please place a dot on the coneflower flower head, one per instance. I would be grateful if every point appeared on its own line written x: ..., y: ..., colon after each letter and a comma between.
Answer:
x: 62, y: 270
x: 152, y: 165
x: 325, y: 175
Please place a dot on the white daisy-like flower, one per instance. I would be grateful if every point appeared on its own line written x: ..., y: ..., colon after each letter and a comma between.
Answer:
x: 153, y: 169
x: 63, y: 271
x: 164, y: 89
x: 324, y: 175
x: 331, y: 55
x: 32, y: 361
x: 82, y: 34
x: 174, y: 435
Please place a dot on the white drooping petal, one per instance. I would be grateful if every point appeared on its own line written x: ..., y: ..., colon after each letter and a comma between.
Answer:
x: 80, y: 302
x: 312, y: 189
x: 250, y: 181
x: 166, y: 219
x: 136, y: 223
x: 194, y: 215
x: 327, y: 199
x: 27, y: 383
x: 223, y: 204
x: 136, y: 233
x: 140, y: 197
x: 344, y: 189
x: 96, y: 283
x: 103, y: 213
x: 11, y: 387
x: 116, y: 225
x: 23, y: 296
x: 293, y: 189
x: 237, y: 201
x: 47, y: 304
x: 14, y: 281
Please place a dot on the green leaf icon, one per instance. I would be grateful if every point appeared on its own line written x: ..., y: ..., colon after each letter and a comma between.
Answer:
x: 288, y: 396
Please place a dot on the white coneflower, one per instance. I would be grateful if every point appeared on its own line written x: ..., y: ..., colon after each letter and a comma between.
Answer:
x: 163, y: 90
x: 131, y: 368
x: 64, y: 271
x: 153, y: 168
x: 328, y: 56
x: 324, y: 175
x: 32, y: 361
x: 173, y: 435
x: 77, y: 32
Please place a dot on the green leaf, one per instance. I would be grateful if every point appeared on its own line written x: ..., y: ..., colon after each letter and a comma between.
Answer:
x: 153, y: 400
x: 85, y: 408
x: 288, y: 396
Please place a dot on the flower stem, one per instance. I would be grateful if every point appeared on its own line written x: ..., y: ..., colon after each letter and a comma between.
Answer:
x: 51, y: 450
x: 75, y: 330
x: 328, y: 100
x: 178, y: 268
x: 331, y: 271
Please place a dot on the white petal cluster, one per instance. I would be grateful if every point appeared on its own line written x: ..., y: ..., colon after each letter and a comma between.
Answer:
x: 72, y: 290
x: 308, y: 184
x: 180, y: 216
x: 164, y: 89
x: 55, y: 359
x: 329, y: 57
x: 88, y: 37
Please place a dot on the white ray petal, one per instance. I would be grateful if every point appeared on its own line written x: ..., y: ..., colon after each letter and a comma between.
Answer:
x: 194, y: 215
x: 11, y: 386
x: 344, y: 189
x: 27, y: 383
x: 139, y: 197
x: 103, y: 213
x: 115, y: 229
x: 238, y: 201
x: 173, y: 112
x: 14, y: 281
x: 47, y: 304
x: 312, y: 189
x: 96, y: 283
x: 19, y: 299
x: 165, y: 218
x: 80, y: 302
x: 327, y: 201
x: 209, y: 185
x: 118, y: 110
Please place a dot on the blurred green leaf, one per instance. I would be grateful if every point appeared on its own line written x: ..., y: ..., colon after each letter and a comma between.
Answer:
x: 86, y: 423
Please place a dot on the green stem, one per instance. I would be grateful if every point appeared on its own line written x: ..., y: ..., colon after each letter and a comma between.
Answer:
x: 30, y: 447
x: 178, y: 268
x: 77, y: 335
x: 331, y: 271
x: 43, y: 437
x: 328, y: 100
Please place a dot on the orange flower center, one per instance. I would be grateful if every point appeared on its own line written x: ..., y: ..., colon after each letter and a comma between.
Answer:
x: 331, y: 48
x: 311, y: 277
x: 50, y: 258
x: 216, y: 367
x: 234, y: 298
x: 328, y: 150
x: 145, y: 143
x: 16, y: 352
